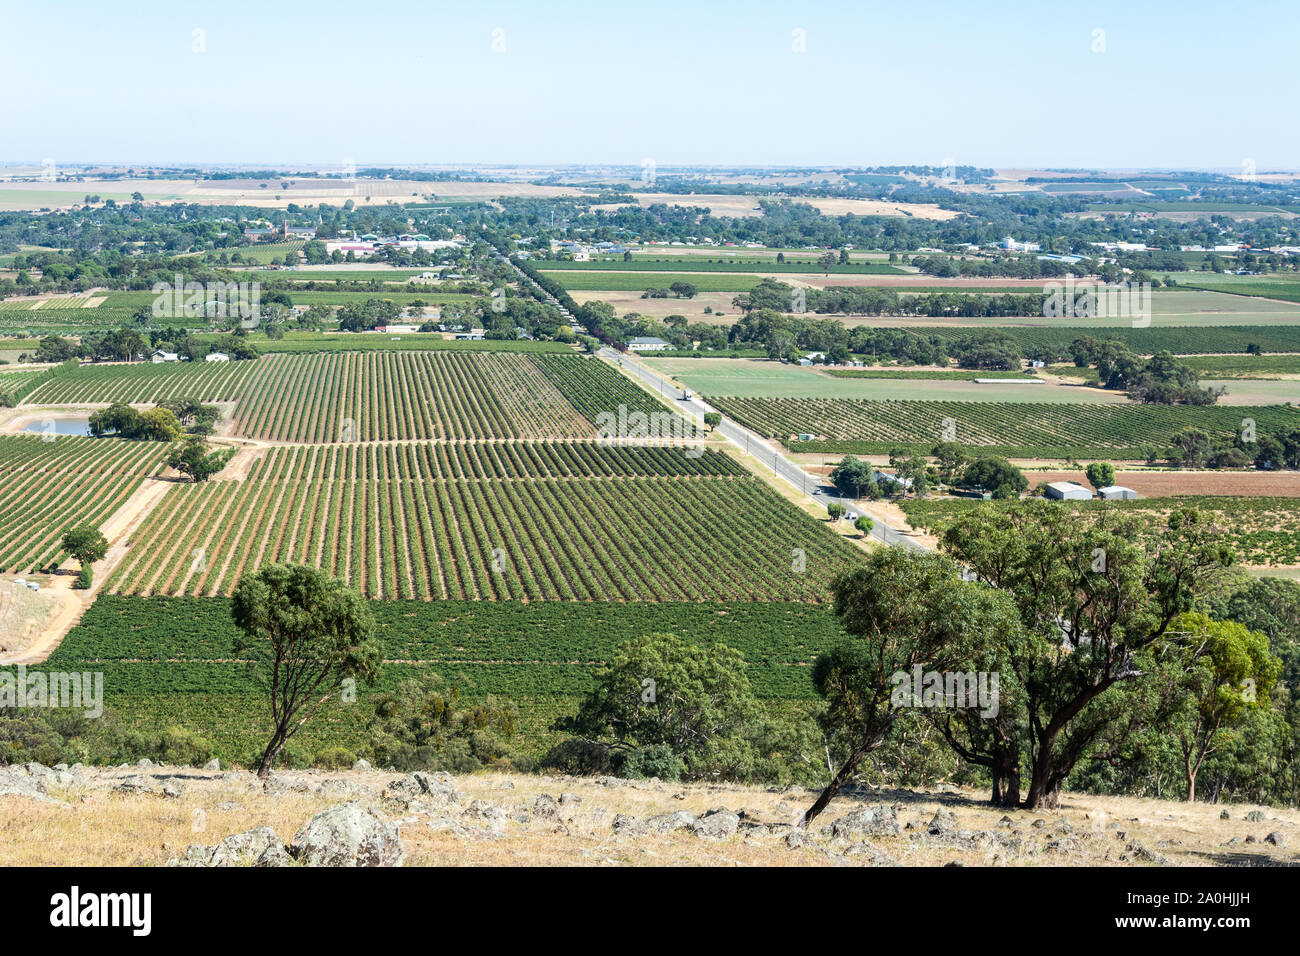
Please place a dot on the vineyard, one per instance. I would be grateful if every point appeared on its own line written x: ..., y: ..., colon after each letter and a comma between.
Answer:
x: 1264, y: 531
x: 548, y: 521
x: 166, y: 661
x: 1021, y: 430
x: 1181, y: 340
x: 47, y: 487
x: 375, y: 396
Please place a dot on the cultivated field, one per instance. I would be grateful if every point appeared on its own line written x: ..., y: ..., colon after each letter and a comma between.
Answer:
x: 527, y: 522
x: 1020, y: 429
x: 761, y: 378
x: 375, y: 396
x: 48, y: 486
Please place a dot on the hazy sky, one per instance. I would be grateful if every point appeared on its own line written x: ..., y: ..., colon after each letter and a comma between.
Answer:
x: 1185, y: 84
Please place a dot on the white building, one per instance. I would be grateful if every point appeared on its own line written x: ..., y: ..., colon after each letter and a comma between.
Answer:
x: 1067, y: 491
x: 216, y: 357
x: 162, y: 355
x: 647, y: 343
x: 1117, y: 493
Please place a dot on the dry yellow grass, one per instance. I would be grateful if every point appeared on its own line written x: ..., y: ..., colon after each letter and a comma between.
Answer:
x: 93, y: 825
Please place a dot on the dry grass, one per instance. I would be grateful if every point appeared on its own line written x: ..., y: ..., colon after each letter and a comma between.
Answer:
x: 96, y: 826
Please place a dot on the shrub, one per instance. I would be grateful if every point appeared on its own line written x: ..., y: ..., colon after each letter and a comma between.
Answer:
x: 656, y: 760
x: 335, y: 758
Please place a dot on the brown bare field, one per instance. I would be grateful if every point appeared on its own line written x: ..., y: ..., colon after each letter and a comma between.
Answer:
x: 1162, y: 484
x: 88, y: 823
x: 693, y: 309
x: 918, y: 280
x: 303, y: 191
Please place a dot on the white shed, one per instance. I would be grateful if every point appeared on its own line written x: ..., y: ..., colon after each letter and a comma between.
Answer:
x: 216, y: 357
x: 1117, y: 493
x: 1067, y: 491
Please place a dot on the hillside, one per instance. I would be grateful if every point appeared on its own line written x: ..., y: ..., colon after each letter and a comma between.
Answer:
x: 148, y: 815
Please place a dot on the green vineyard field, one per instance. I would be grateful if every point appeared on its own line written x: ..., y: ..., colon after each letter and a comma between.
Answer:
x: 1021, y: 430
x: 527, y: 522
x: 47, y: 487
x: 375, y: 396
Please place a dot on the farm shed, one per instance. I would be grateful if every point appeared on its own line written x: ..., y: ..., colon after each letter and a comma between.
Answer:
x: 1117, y: 493
x: 1067, y: 491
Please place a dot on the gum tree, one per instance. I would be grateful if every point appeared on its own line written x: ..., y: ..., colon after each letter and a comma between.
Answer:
x: 304, y: 632
x: 903, y: 609
x: 1096, y: 589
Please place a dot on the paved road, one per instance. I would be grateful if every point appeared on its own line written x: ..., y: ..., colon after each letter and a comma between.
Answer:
x: 767, y: 455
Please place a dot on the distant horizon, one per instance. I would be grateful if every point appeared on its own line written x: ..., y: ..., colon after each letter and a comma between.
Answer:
x: 315, y: 166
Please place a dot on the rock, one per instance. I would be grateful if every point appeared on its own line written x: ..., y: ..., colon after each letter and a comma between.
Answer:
x: 275, y: 786
x: 1039, y: 824
x: 877, y: 820
x: 144, y: 763
x: 1141, y: 853
x: 349, y: 835
x: 1006, y: 822
x: 716, y: 824
x: 878, y: 856
x: 545, y: 807
x: 243, y: 849
x: 135, y: 784
x: 569, y: 799
x: 489, y: 813
x: 362, y: 765
x: 1276, y: 838
x: 520, y: 815
x: 1255, y: 816
x: 1225, y: 815
x: 342, y: 790
x: 213, y: 764
x: 195, y: 855
x: 796, y: 838
x: 505, y: 785
x: 670, y: 822
x: 942, y: 822
x: 1251, y: 839
x: 274, y: 856
x: 171, y: 790
x: 626, y: 824
x: 228, y: 807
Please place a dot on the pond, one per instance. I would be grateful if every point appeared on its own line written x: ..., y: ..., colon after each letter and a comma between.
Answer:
x: 59, y: 426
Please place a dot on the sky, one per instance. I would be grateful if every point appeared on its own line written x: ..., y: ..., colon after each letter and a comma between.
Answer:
x: 1185, y: 85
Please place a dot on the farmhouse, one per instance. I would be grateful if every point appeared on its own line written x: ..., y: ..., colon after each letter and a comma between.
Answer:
x: 647, y: 343
x: 216, y: 357
x: 1067, y: 491
x: 162, y: 355
x: 885, y: 478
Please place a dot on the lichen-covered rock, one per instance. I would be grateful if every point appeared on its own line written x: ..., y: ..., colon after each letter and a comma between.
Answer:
x: 349, y: 835
x: 877, y: 820
x: 716, y: 824
x: 243, y: 849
